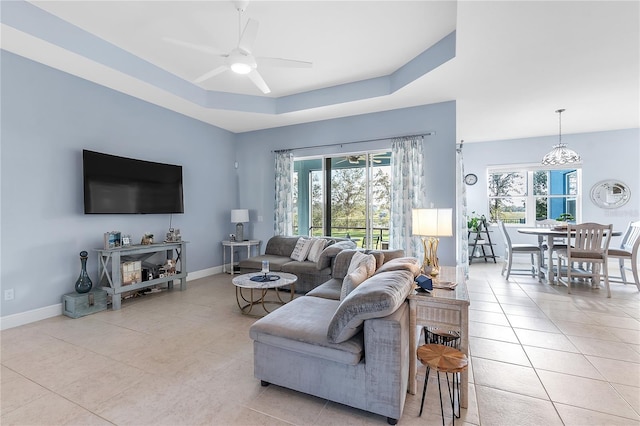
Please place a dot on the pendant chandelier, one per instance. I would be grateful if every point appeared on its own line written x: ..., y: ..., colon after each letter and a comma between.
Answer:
x: 560, y: 154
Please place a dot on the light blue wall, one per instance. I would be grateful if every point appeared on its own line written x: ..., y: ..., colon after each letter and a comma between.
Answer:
x: 256, y: 158
x: 48, y: 117
x: 605, y: 155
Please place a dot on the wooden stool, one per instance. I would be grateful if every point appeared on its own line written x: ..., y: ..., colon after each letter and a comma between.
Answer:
x: 443, y: 359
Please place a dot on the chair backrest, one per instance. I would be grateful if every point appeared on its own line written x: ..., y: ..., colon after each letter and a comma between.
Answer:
x: 631, y: 239
x: 589, y: 238
x: 548, y: 223
x: 505, y: 234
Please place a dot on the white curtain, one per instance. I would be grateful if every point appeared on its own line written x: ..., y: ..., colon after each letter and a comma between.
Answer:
x: 407, y: 192
x: 283, y: 208
x: 461, y: 209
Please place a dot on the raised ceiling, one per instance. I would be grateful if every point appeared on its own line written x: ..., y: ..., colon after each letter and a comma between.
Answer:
x: 508, y: 65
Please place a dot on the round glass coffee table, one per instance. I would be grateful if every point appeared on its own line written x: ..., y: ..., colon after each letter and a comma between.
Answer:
x: 258, y: 288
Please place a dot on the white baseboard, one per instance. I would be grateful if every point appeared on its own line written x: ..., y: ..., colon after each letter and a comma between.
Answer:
x: 28, y: 317
x: 22, y: 318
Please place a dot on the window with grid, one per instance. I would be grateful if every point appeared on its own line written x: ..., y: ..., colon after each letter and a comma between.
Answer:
x: 521, y: 196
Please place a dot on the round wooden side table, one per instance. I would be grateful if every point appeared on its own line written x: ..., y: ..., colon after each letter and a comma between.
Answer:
x: 443, y: 359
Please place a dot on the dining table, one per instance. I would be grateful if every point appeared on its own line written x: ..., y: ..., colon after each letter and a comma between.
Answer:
x: 551, y: 234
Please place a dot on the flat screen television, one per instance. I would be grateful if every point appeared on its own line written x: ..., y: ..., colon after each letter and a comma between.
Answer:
x: 119, y: 185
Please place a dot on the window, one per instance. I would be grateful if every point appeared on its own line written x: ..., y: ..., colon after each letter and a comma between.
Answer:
x: 346, y: 195
x: 524, y: 195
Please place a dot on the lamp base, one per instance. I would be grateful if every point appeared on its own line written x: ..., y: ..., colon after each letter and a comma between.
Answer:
x: 239, y: 232
x: 430, y: 265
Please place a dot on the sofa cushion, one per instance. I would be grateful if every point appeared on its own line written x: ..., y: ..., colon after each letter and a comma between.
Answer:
x: 332, y: 251
x: 329, y: 290
x: 301, y: 250
x: 301, y: 326
x: 402, y: 263
x: 377, y: 297
x: 275, y: 262
x: 296, y: 268
x: 316, y: 249
x: 281, y: 245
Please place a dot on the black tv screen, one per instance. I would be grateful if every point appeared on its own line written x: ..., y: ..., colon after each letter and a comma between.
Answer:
x: 120, y: 185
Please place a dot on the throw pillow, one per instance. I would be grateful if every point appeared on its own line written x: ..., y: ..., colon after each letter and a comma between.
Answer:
x: 301, y: 249
x: 377, y: 297
x: 362, y: 266
x: 316, y: 249
x: 410, y: 264
x: 359, y: 258
x: 353, y: 280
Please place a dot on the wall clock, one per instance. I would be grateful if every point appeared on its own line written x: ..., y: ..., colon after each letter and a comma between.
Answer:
x: 610, y: 194
x: 470, y: 179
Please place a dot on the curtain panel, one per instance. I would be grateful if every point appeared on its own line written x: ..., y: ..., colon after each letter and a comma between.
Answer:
x: 407, y: 192
x: 461, y: 214
x: 283, y: 207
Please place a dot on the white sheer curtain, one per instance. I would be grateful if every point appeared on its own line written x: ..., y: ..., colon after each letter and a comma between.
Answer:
x: 283, y: 208
x: 407, y: 192
x: 461, y: 209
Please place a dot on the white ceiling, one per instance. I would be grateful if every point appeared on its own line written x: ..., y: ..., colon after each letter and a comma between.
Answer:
x: 516, y: 61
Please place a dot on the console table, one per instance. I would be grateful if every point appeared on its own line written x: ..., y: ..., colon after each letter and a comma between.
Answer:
x: 110, y: 267
x: 447, y: 310
x: 233, y: 244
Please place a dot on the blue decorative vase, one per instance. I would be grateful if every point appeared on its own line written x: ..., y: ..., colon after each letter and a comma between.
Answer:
x: 84, y: 284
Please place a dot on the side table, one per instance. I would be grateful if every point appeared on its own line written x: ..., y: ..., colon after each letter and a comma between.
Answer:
x: 232, y: 245
x: 443, y: 309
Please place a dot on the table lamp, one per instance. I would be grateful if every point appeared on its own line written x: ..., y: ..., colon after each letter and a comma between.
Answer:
x: 238, y: 216
x: 431, y: 224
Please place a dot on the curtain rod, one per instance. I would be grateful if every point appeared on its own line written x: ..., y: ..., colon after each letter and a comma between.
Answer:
x: 352, y: 142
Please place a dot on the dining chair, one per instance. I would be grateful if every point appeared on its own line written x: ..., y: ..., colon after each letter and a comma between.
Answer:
x: 587, y: 246
x: 558, y: 243
x: 513, y: 249
x: 628, y: 251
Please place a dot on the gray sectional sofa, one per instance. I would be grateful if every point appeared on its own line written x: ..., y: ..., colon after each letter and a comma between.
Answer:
x: 355, y: 351
x: 310, y: 274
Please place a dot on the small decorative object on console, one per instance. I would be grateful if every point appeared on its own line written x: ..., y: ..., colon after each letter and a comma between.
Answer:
x: 112, y: 240
x: 173, y: 236
x: 147, y: 239
x: 131, y: 272
x: 424, y: 282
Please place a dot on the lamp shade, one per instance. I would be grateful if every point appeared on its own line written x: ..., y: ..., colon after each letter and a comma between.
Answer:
x: 432, y: 222
x: 239, y: 215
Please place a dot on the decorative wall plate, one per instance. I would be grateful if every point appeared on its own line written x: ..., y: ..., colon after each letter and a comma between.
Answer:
x: 610, y: 194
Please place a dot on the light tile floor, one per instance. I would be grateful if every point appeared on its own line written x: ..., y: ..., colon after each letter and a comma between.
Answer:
x: 539, y: 357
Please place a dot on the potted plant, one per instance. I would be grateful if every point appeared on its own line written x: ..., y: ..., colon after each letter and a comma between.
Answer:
x: 565, y: 217
x: 474, y: 221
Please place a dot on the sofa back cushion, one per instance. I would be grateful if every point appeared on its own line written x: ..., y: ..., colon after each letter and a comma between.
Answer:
x: 281, y: 245
x: 331, y: 251
x: 377, y: 297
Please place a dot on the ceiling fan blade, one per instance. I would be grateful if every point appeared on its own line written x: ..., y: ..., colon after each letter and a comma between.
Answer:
x: 248, y: 35
x: 199, y: 47
x: 283, y: 63
x: 210, y: 74
x: 255, y: 76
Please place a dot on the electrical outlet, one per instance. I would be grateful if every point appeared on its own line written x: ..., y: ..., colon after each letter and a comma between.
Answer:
x: 8, y: 294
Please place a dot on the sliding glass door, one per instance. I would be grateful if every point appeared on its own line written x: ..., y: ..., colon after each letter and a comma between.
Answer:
x: 345, y: 196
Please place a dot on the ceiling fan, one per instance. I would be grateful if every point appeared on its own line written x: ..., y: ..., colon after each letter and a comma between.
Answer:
x: 356, y: 159
x: 240, y: 59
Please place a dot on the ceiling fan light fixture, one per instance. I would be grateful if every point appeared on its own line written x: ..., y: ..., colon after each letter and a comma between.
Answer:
x: 560, y: 154
x: 240, y: 68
